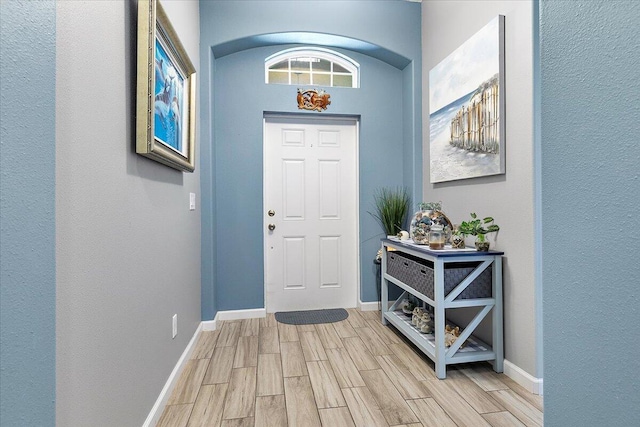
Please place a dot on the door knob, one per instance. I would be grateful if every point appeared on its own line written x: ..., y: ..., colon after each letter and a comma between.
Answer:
x: 271, y: 212
x: 272, y: 227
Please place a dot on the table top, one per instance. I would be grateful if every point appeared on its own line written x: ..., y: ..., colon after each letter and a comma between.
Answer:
x: 448, y: 251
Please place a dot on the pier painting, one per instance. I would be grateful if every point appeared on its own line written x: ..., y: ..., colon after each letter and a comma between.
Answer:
x: 466, y: 103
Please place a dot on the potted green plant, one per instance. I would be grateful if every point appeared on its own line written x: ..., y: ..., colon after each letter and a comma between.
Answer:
x: 479, y: 228
x: 392, y: 205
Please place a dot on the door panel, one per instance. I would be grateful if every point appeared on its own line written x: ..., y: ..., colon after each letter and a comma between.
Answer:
x: 293, y: 187
x: 330, y: 261
x: 311, y: 257
x: 329, y: 190
x: 293, y: 262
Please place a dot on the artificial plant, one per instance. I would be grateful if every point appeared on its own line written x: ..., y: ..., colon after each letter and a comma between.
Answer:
x: 392, y: 206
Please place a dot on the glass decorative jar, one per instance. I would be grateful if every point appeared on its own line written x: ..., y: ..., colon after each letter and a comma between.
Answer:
x: 436, y: 236
x: 420, y: 233
x: 422, y: 220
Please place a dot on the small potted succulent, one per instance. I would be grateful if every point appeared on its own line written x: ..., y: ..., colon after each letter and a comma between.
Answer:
x: 479, y: 228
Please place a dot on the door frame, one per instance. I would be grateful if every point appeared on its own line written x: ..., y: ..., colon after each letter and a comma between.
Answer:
x: 308, y: 119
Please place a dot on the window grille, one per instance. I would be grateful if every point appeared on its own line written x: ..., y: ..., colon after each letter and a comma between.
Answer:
x: 311, y: 66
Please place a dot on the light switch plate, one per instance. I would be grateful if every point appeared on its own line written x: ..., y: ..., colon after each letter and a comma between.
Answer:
x: 174, y: 326
x: 192, y: 201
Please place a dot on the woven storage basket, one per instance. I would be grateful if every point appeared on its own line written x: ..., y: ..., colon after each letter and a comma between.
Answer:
x: 418, y: 273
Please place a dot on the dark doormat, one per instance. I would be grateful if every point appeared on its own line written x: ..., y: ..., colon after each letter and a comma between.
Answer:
x: 310, y: 317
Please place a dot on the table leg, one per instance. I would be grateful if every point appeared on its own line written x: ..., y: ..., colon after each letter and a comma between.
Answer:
x: 498, y: 329
x: 439, y: 321
x: 384, y: 286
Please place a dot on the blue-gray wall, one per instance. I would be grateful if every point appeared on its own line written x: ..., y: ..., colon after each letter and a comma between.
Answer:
x: 236, y: 37
x: 590, y: 57
x: 27, y: 225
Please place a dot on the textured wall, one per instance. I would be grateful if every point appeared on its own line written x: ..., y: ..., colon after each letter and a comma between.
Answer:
x: 27, y: 224
x: 390, y: 126
x: 590, y: 193
x: 128, y: 248
x: 508, y: 198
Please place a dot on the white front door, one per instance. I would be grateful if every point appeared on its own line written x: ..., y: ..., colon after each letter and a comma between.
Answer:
x: 310, y: 188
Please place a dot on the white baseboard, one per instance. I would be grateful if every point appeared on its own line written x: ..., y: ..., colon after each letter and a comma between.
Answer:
x: 520, y: 376
x: 369, y: 306
x: 208, y: 325
x: 211, y: 325
x: 241, y: 314
x: 161, y: 401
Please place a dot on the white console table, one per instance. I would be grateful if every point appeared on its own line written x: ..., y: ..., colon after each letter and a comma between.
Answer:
x: 433, y: 345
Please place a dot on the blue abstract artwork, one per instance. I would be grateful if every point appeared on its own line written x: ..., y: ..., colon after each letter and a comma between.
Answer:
x: 169, y: 100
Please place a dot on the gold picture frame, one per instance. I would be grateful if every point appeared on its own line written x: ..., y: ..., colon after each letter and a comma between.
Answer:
x: 166, y: 92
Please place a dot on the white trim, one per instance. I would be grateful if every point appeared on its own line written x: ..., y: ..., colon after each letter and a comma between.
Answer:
x: 241, y: 314
x: 163, y: 398
x: 369, y: 306
x: 208, y: 325
x: 520, y: 376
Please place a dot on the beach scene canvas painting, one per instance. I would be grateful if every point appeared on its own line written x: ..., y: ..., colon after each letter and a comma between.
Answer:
x: 466, y: 108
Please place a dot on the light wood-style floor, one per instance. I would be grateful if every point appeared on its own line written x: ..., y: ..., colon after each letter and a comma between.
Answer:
x: 258, y: 372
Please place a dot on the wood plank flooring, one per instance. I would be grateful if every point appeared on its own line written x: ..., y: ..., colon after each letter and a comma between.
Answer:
x: 258, y: 372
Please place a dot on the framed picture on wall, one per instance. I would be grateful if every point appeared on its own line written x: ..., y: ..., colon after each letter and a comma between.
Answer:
x: 467, y: 108
x: 166, y: 91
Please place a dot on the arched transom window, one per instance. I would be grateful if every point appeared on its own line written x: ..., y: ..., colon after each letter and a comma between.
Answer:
x: 305, y: 66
